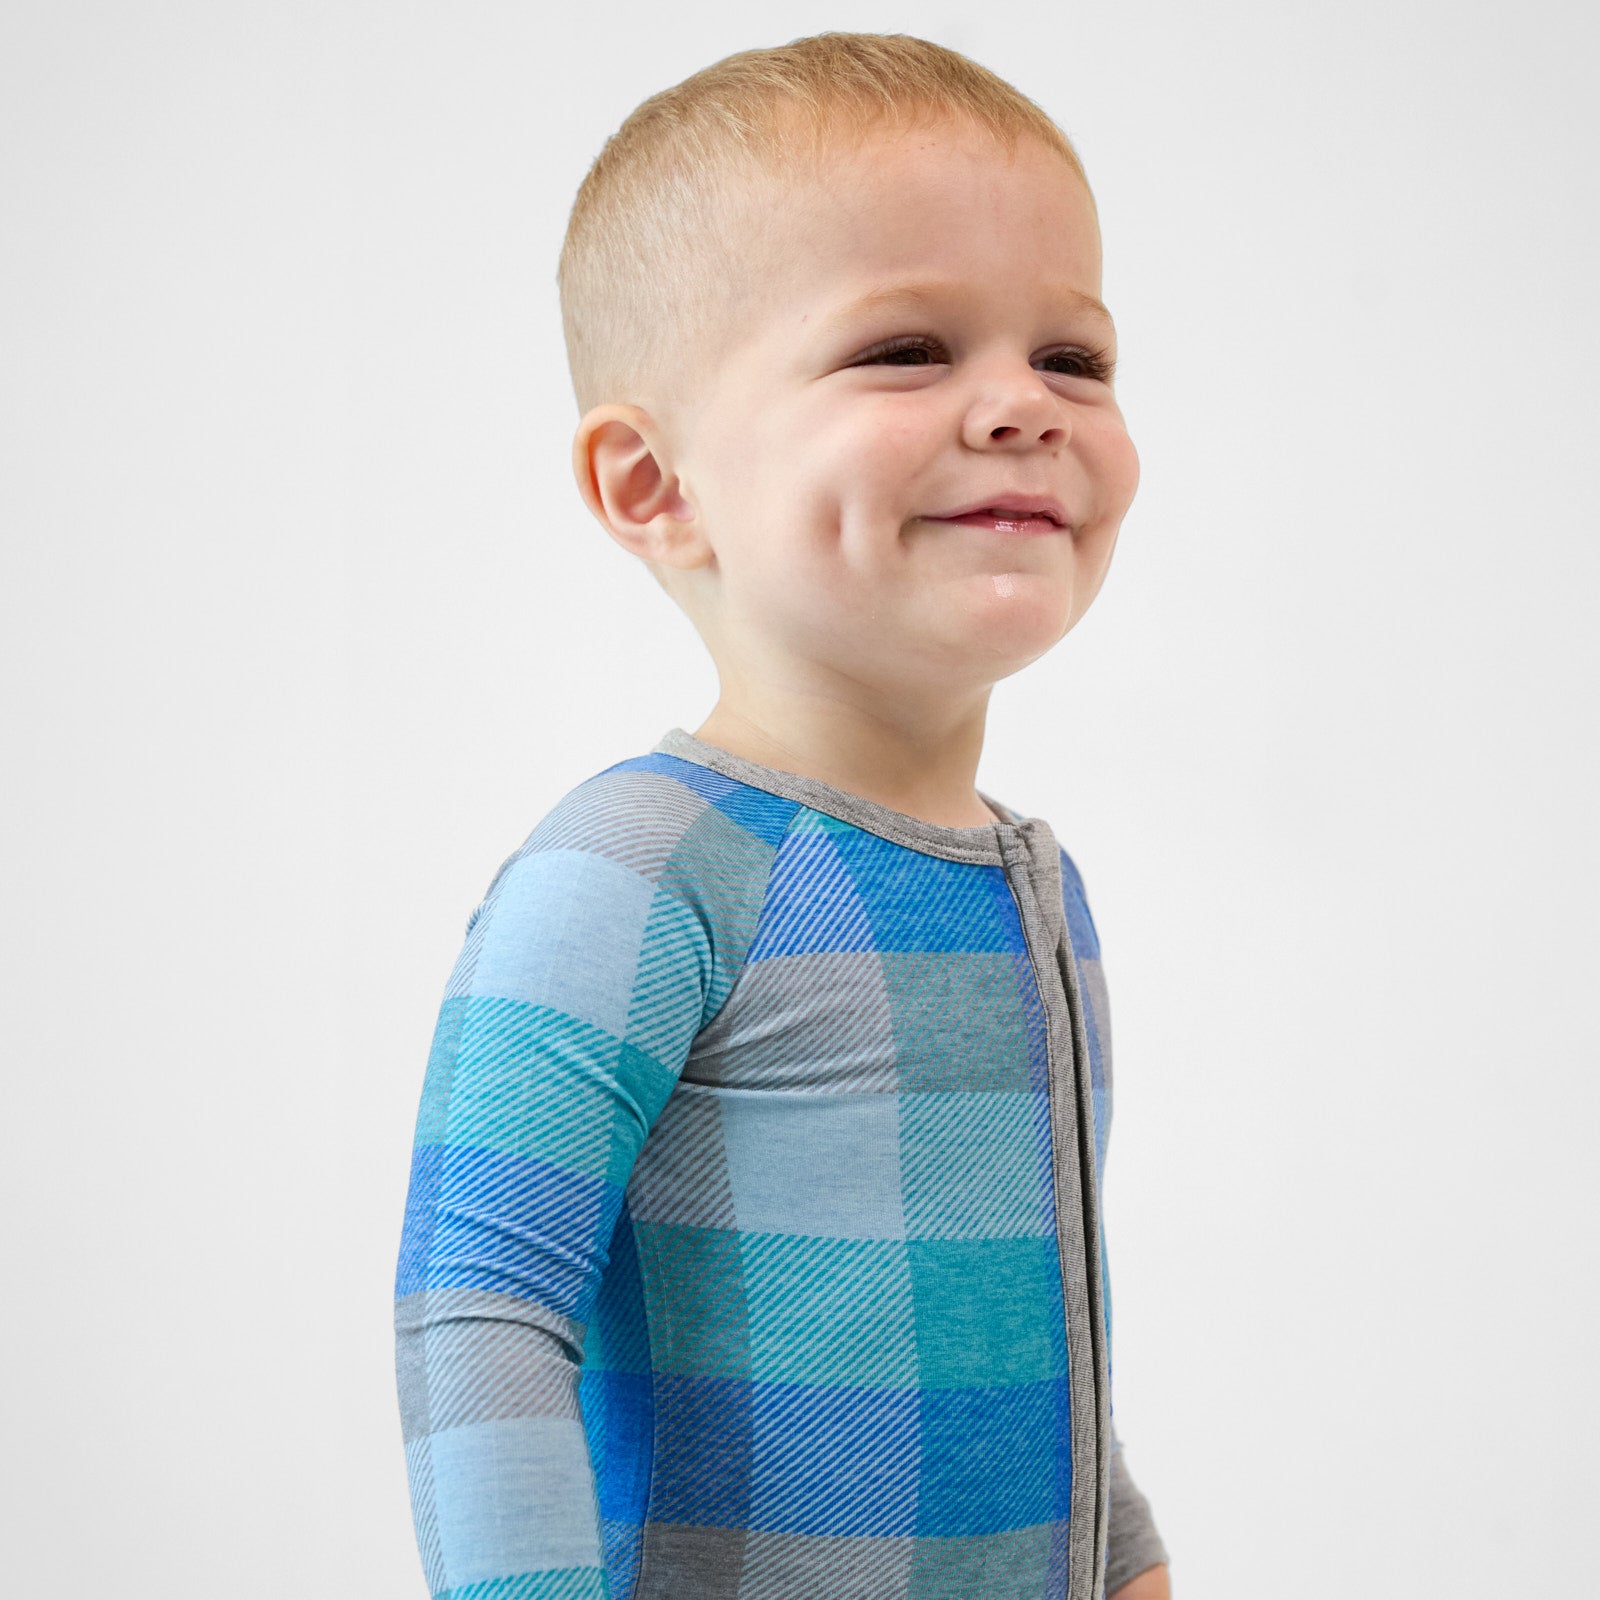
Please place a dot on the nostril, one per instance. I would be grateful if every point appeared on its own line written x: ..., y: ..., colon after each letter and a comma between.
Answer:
x: 1001, y: 433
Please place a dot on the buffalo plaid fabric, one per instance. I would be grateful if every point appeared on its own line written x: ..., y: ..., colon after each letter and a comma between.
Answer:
x: 752, y: 1249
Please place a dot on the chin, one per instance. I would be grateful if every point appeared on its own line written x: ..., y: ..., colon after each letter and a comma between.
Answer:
x: 1019, y: 615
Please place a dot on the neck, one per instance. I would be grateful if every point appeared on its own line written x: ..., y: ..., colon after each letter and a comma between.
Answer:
x: 926, y: 769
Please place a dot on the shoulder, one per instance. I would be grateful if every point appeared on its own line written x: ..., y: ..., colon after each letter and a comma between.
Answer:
x: 1075, y: 900
x: 654, y: 859
x: 667, y: 822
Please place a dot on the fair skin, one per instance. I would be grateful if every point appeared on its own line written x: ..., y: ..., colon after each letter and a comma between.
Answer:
x: 1151, y: 1584
x: 821, y: 499
x: 796, y: 499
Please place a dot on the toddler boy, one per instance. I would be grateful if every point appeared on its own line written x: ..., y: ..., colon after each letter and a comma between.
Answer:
x: 753, y: 1249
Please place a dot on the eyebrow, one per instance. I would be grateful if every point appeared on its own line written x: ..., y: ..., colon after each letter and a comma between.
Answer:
x: 917, y: 295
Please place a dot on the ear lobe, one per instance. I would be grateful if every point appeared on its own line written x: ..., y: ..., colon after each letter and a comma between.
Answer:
x: 624, y: 475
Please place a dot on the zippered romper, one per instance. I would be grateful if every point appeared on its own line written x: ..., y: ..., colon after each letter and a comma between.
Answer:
x: 753, y: 1246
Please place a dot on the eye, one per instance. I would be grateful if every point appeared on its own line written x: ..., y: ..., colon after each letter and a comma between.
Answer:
x: 1094, y: 364
x: 915, y: 350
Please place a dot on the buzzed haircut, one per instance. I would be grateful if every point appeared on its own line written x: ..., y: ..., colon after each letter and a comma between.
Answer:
x: 650, y: 265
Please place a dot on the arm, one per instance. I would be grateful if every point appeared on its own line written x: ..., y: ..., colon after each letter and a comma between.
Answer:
x: 1151, y: 1584
x: 1136, y: 1559
x: 1136, y: 1563
x: 569, y: 1014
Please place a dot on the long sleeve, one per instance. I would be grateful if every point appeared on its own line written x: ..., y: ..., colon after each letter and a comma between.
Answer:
x: 1132, y: 1540
x: 586, y: 972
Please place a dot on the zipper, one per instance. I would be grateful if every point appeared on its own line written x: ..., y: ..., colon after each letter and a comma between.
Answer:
x: 1070, y: 1095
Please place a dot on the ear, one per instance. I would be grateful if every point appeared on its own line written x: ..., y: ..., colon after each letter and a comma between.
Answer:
x: 624, y: 472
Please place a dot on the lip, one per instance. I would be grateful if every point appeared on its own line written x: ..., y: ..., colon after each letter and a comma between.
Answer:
x: 1010, y: 513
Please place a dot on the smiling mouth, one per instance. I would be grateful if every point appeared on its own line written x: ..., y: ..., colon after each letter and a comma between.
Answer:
x: 1007, y: 520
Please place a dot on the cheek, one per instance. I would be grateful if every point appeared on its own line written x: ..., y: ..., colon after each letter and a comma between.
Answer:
x: 903, y: 430
x: 821, y: 481
x: 1114, y: 463
x: 872, y: 457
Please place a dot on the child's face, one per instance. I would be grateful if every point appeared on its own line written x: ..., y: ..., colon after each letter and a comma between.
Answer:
x: 926, y: 344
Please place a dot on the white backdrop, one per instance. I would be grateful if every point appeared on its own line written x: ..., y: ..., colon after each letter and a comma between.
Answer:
x: 307, y: 627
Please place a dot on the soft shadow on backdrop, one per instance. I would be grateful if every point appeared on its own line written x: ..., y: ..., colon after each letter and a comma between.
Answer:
x: 308, y: 627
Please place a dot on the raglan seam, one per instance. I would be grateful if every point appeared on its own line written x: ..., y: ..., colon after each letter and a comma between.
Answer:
x: 761, y: 911
x: 733, y: 984
x: 766, y: 895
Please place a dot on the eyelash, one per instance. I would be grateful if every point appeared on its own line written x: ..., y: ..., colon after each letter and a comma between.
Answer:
x: 1097, y: 363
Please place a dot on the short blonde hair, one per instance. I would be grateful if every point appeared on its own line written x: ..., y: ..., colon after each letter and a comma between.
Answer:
x: 647, y: 265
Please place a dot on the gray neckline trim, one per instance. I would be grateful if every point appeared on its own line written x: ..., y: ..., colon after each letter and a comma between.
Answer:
x: 983, y: 842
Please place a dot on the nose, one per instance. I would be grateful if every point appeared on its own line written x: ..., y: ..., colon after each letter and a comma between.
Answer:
x: 1016, y: 412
